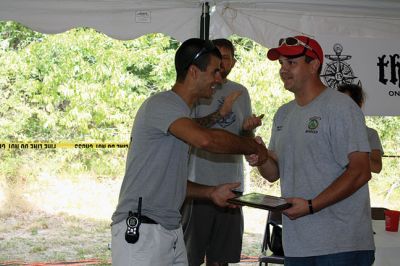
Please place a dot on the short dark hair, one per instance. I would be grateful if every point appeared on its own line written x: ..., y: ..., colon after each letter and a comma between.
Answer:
x: 355, y: 92
x: 226, y: 44
x: 196, y: 52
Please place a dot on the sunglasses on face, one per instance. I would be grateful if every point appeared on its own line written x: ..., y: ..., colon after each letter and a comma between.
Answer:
x: 208, y: 48
x: 291, y: 41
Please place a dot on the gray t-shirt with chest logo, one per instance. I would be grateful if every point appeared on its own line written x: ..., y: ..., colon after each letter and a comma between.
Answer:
x: 312, y: 143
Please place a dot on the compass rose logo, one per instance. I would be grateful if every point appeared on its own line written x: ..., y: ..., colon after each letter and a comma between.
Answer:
x: 337, y: 71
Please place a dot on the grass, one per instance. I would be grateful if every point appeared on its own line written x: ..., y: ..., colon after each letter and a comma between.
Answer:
x: 53, y: 219
x: 62, y: 239
x: 67, y: 238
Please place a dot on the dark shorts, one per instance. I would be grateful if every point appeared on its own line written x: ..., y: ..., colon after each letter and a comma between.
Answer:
x: 213, y: 232
x: 353, y: 258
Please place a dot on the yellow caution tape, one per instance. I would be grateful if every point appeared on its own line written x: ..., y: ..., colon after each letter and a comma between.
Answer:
x: 61, y: 145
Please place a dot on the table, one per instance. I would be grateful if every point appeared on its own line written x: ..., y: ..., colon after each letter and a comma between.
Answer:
x: 387, y: 245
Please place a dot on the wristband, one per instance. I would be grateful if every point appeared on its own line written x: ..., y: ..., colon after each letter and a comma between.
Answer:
x: 310, y: 206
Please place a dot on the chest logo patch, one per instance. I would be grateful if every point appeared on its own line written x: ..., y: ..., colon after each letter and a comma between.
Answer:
x: 313, y: 124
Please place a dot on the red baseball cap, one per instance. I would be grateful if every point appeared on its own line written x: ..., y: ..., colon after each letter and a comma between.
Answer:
x: 297, y: 46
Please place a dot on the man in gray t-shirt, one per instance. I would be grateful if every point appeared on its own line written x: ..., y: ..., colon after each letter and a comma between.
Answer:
x: 319, y: 151
x: 146, y: 228
x: 210, y: 231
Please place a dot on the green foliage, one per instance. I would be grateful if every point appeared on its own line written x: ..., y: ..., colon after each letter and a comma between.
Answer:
x: 388, y: 128
x: 385, y: 186
x: 81, y: 85
x: 16, y: 36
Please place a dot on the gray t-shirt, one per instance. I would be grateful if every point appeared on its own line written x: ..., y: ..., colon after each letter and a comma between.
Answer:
x: 210, y: 168
x: 373, y: 139
x: 312, y: 143
x: 156, y: 167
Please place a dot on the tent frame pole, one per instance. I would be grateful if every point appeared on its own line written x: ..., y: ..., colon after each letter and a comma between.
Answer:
x: 205, y: 22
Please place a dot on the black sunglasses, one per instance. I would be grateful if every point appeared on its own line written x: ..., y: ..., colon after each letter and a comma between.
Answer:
x: 291, y: 41
x: 209, y: 47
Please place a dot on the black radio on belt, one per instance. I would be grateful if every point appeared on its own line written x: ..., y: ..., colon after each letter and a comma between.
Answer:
x: 133, y: 224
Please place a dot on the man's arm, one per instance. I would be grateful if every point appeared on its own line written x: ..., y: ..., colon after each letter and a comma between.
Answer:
x: 217, y: 194
x: 226, y: 108
x: 209, y: 120
x: 375, y: 158
x: 269, y: 169
x: 216, y: 140
x: 356, y: 175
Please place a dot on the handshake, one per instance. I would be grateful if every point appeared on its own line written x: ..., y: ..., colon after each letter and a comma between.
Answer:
x: 261, y: 156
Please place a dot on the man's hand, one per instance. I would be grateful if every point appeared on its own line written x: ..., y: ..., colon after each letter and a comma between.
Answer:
x: 262, y: 155
x: 226, y: 107
x: 252, y: 122
x: 259, y: 158
x: 252, y: 159
x: 299, y: 208
x: 221, y: 193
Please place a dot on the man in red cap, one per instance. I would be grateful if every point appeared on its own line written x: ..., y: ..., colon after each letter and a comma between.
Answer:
x: 319, y: 151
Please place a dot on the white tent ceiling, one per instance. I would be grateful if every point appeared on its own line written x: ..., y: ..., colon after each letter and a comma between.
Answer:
x: 264, y: 21
x: 119, y: 19
x: 267, y: 21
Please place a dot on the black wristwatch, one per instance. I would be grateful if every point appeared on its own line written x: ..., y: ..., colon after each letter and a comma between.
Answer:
x: 310, y: 206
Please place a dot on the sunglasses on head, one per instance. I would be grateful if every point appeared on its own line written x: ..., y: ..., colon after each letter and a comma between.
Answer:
x: 291, y: 41
x: 208, y: 48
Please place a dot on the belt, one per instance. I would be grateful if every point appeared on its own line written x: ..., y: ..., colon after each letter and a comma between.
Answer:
x: 144, y: 219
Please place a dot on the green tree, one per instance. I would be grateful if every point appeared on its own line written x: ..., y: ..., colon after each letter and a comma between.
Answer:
x: 15, y: 36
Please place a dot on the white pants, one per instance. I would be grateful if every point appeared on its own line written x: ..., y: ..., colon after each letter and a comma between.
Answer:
x: 156, y: 246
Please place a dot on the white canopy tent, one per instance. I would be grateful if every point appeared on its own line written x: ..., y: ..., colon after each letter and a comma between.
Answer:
x: 267, y: 21
x: 367, y: 31
x: 261, y: 20
x: 119, y: 19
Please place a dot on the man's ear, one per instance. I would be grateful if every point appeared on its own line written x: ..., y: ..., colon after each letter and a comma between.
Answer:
x: 192, y: 71
x: 233, y: 62
x: 315, y: 65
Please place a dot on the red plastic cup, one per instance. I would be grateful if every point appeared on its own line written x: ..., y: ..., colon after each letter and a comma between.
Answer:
x: 392, y: 220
